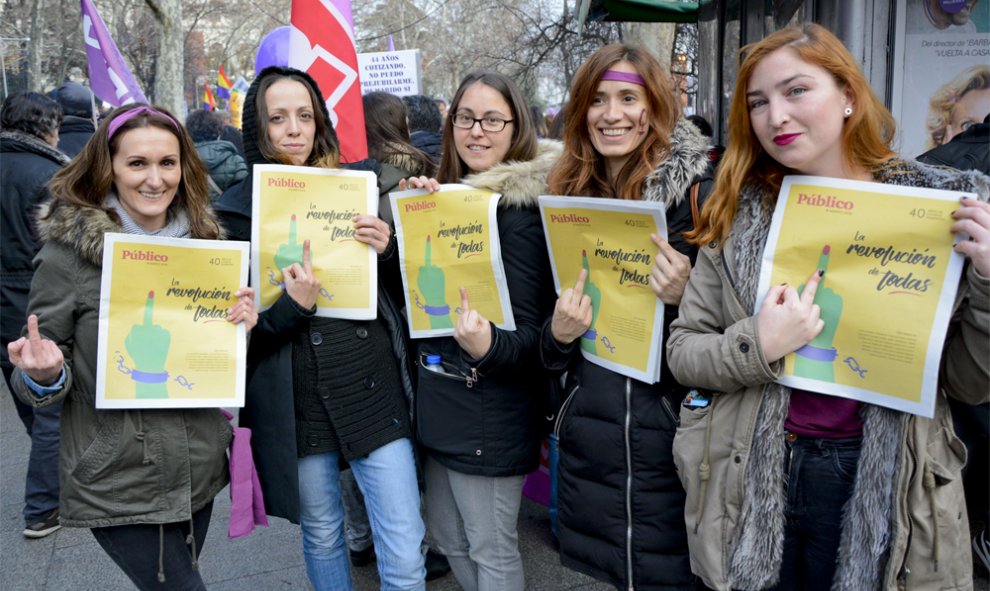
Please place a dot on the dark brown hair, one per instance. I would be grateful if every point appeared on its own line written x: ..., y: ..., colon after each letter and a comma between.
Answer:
x: 326, y: 149
x: 387, y: 130
x: 521, y: 148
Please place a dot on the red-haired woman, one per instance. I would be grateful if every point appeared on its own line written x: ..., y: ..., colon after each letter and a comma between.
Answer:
x: 621, y: 504
x: 789, y: 489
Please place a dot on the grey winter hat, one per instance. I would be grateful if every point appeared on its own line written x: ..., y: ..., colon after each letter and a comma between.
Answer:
x: 76, y: 99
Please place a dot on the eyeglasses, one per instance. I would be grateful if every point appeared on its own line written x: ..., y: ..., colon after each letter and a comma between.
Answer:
x: 490, y: 124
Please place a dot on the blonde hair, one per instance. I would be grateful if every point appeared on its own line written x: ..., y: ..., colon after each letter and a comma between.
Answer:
x: 943, y: 102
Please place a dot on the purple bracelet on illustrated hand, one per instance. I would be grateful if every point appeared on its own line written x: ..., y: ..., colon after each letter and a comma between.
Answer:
x: 145, y: 377
x: 437, y: 310
x: 818, y: 353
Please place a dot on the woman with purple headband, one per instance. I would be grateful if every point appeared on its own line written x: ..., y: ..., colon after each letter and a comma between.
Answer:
x: 143, y: 481
x: 620, y: 503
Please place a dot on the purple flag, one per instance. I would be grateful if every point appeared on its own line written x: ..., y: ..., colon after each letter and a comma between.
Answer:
x: 109, y: 76
x: 391, y: 44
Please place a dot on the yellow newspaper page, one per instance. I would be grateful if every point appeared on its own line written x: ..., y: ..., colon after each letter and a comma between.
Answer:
x: 611, y: 238
x: 887, y: 295
x: 164, y: 337
x: 293, y: 204
x: 449, y: 240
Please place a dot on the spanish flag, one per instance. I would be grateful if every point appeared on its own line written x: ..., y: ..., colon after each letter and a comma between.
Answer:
x: 208, y: 103
x: 223, y: 85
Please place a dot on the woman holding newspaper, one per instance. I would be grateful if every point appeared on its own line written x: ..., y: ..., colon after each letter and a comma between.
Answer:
x: 788, y: 489
x: 325, y: 390
x: 143, y: 481
x: 478, y: 418
x: 619, y: 499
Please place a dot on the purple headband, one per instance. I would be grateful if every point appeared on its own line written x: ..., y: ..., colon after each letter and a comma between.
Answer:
x: 617, y: 76
x: 143, y: 109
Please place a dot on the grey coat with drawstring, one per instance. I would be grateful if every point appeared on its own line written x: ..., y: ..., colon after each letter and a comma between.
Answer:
x: 904, y: 525
x: 117, y: 467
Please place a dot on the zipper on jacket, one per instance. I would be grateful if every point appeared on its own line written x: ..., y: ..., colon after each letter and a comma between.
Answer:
x: 563, y: 411
x: 670, y: 411
x: 453, y: 372
x: 629, y: 564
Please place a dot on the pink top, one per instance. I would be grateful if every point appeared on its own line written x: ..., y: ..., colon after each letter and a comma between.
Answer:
x: 821, y: 416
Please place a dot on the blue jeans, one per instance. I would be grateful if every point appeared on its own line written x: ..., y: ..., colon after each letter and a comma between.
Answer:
x: 820, y: 475
x: 387, y: 477
x: 41, y: 485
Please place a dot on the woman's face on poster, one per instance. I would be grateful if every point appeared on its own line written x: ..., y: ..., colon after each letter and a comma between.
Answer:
x: 969, y: 110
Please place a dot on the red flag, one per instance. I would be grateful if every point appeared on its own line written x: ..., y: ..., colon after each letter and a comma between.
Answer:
x: 322, y: 44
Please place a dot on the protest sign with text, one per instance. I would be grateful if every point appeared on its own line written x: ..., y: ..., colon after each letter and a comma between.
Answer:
x: 293, y: 204
x: 449, y: 240
x: 889, y: 284
x: 164, y: 339
x: 610, y: 238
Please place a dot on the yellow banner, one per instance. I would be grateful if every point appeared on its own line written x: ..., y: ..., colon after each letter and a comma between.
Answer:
x: 293, y: 204
x: 449, y: 240
x: 164, y: 337
x: 887, y: 294
x: 611, y: 239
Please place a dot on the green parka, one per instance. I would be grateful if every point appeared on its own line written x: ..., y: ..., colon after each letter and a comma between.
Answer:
x: 117, y: 467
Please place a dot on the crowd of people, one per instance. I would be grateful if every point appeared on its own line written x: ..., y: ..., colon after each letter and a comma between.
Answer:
x: 378, y: 455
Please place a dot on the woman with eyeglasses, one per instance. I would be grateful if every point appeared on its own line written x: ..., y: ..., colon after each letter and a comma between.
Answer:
x: 479, y: 422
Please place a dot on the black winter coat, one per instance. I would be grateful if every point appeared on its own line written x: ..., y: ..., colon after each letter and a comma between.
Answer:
x: 429, y: 142
x: 226, y: 166
x: 620, y: 502
x: 74, y: 133
x: 27, y: 163
x: 270, y: 397
x: 970, y: 150
x: 486, y: 417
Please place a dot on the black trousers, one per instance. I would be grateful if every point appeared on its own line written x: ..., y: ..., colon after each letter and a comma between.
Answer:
x: 138, y: 551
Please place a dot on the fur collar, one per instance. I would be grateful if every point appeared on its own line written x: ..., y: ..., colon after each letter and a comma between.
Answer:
x: 520, y: 183
x: 81, y: 229
x: 756, y: 558
x: 17, y: 141
x: 687, y: 160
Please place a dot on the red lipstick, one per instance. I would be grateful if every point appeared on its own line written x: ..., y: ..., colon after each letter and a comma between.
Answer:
x: 785, y: 138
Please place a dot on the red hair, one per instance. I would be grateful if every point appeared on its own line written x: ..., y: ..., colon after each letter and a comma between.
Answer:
x: 581, y: 170
x: 866, y: 135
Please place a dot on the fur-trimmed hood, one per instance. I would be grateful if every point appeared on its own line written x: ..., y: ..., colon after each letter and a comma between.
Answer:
x: 82, y: 228
x: 18, y: 141
x: 79, y: 228
x: 520, y: 183
x: 687, y: 160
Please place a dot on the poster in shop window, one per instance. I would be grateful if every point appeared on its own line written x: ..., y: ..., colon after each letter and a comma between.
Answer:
x: 887, y: 293
x: 610, y: 238
x: 164, y: 339
x: 941, y: 71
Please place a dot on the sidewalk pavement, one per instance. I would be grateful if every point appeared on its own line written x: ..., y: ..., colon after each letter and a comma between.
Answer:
x: 268, y: 559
